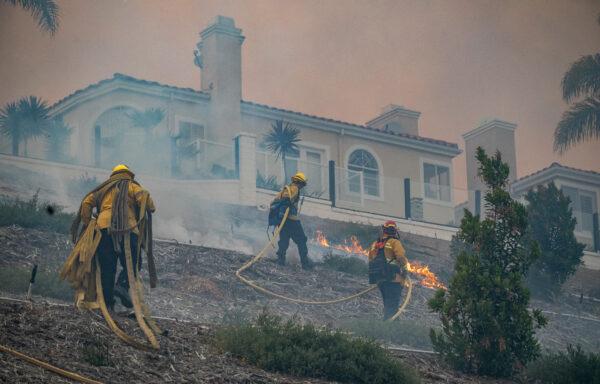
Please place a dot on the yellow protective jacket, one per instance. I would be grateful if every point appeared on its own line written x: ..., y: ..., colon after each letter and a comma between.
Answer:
x: 105, y: 214
x: 294, y: 196
x: 394, y: 253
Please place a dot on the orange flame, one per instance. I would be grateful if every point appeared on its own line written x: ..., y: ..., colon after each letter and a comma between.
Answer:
x: 429, y: 280
x: 352, y: 246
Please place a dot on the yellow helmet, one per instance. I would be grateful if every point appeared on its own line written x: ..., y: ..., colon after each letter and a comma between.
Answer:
x: 121, y: 168
x: 299, y: 178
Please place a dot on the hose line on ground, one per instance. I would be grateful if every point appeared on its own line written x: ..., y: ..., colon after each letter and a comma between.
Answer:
x: 49, y: 367
x: 266, y: 291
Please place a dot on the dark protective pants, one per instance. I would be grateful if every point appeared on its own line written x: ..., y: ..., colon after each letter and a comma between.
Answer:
x: 390, y: 292
x: 292, y: 229
x: 107, y: 257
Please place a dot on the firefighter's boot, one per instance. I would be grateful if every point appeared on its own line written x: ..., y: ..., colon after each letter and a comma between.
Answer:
x: 123, y: 295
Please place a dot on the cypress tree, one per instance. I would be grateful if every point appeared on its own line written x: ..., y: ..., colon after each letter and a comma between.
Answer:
x: 486, y: 326
x: 552, y: 224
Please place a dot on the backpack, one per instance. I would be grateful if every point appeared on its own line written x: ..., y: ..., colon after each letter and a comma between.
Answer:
x: 277, y: 210
x: 380, y: 269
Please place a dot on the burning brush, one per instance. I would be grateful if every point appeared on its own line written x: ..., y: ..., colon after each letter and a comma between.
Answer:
x: 351, y: 246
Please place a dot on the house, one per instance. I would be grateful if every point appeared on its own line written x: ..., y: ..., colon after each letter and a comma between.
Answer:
x: 383, y: 167
x: 583, y: 189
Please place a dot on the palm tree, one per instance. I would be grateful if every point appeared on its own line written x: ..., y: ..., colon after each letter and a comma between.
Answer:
x: 24, y: 119
x: 147, y: 119
x: 10, y: 125
x: 34, y: 118
x: 582, y: 121
x: 56, y: 138
x: 44, y: 11
x: 281, y: 140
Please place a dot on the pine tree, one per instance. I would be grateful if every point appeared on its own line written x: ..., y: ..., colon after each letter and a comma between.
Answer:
x: 552, y: 224
x: 486, y: 325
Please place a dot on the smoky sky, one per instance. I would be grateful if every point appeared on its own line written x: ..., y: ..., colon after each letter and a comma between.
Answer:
x: 455, y: 61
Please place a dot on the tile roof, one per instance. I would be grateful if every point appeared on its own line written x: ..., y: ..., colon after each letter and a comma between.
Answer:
x: 405, y: 135
x: 557, y: 165
x: 120, y: 76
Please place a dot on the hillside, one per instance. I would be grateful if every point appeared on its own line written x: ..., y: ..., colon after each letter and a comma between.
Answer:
x: 198, y: 290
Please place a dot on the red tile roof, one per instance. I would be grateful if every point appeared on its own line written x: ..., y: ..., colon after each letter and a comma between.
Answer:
x: 120, y: 76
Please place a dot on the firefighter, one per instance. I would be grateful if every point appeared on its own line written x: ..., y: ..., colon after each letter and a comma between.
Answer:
x: 387, y: 267
x: 117, y: 202
x: 292, y: 228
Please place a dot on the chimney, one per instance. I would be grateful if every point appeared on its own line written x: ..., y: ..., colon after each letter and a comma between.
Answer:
x: 397, y: 119
x: 492, y: 135
x: 219, y: 56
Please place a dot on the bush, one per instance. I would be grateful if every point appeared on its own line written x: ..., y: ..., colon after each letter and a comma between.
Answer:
x: 573, y: 367
x: 80, y: 186
x: 47, y: 283
x: 346, y: 264
x: 303, y: 350
x: 400, y: 332
x: 486, y: 325
x: 33, y: 214
x: 95, y: 352
x: 552, y: 224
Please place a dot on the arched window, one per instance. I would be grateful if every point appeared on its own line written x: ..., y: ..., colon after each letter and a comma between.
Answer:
x: 364, y: 162
x: 114, y: 136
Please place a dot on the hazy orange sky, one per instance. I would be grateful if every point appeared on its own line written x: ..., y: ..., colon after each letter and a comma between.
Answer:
x: 456, y: 61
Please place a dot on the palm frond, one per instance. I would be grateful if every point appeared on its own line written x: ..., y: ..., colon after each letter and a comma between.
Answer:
x: 583, y: 78
x: 282, y: 139
x: 34, y: 115
x: 44, y: 11
x: 580, y: 123
x: 146, y: 119
x: 10, y: 119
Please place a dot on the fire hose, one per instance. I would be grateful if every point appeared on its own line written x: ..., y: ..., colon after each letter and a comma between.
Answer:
x: 49, y: 367
x: 266, y: 291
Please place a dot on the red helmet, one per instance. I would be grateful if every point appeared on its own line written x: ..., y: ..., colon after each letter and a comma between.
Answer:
x: 390, y: 228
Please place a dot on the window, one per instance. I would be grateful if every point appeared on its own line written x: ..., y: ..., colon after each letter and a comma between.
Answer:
x: 189, y: 133
x: 306, y: 159
x: 291, y: 163
x: 436, y: 179
x: 313, y: 171
x: 583, y: 204
x: 364, y: 162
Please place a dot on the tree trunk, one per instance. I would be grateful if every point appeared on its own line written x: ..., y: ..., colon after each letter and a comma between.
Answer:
x: 285, y: 175
x: 15, y: 145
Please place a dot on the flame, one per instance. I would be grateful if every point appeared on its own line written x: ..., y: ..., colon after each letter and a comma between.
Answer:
x: 352, y: 246
x: 429, y: 280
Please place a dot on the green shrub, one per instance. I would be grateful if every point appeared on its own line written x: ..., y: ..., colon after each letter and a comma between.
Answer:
x: 400, y: 332
x: 486, y: 324
x: 573, y: 367
x: 47, y: 283
x: 82, y: 185
x: 350, y: 265
x: 551, y: 223
x: 303, y: 350
x: 34, y: 214
x: 95, y: 352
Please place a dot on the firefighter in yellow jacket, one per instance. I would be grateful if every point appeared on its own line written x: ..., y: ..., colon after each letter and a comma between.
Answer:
x: 387, y: 268
x: 117, y: 202
x: 292, y: 229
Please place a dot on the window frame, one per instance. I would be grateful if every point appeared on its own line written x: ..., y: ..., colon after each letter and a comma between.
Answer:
x: 588, y: 192
x: 303, y: 147
x: 422, y: 162
x: 380, y: 174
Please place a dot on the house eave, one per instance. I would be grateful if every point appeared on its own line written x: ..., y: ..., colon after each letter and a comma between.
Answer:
x: 525, y: 184
x: 350, y: 130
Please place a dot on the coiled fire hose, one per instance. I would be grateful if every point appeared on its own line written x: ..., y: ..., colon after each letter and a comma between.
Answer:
x: 264, y: 290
